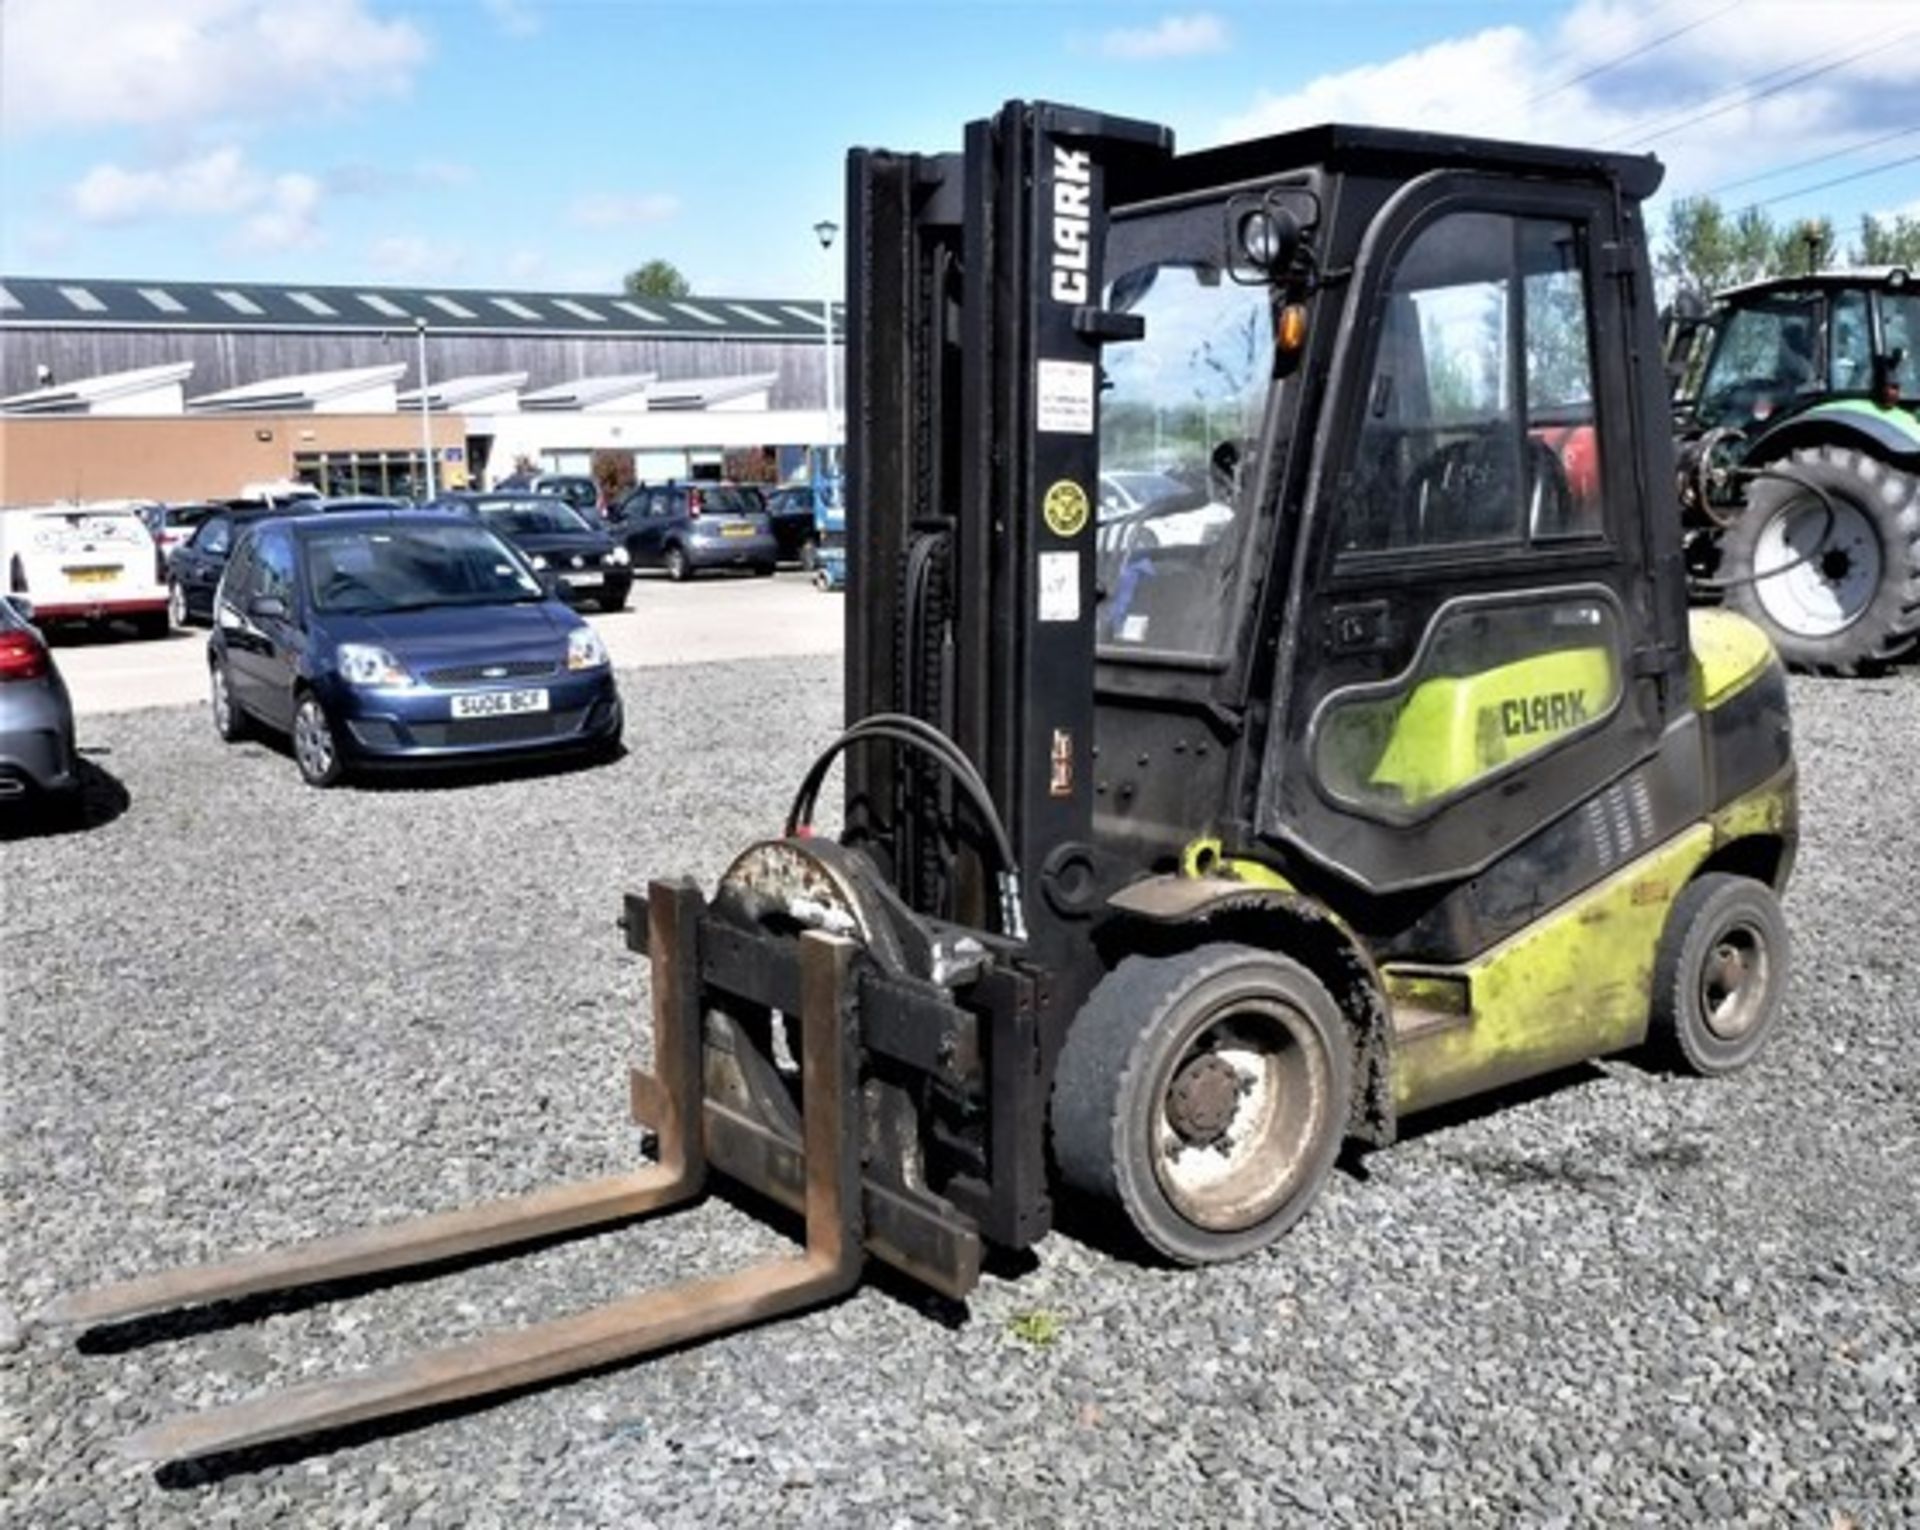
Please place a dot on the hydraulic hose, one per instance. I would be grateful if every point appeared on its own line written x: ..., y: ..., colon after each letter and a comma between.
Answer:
x: 1786, y: 475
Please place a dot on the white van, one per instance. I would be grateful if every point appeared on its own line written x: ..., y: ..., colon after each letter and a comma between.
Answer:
x: 85, y: 563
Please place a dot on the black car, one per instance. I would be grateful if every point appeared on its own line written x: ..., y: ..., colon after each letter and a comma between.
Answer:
x: 686, y: 527
x: 795, y: 529
x: 38, y: 764
x: 194, y: 572
x: 582, y: 561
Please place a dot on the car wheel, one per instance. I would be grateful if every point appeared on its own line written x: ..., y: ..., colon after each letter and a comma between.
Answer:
x: 679, y: 570
x: 810, y: 554
x: 611, y: 601
x: 229, y: 721
x: 1205, y: 1094
x: 315, y: 750
x: 1720, y: 975
x: 152, y: 624
x: 177, y: 613
x: 763, y: 570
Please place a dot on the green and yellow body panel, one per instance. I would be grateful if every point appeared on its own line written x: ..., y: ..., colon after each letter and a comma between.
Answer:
x: 1575, y: 984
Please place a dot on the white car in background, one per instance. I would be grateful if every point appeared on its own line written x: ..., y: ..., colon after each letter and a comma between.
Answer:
x: 1131, y: 518
x: 90, y: 563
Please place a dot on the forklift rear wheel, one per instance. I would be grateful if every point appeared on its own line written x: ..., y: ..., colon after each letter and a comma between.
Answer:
x: 1720, y: 974
x: 1206, y: 1094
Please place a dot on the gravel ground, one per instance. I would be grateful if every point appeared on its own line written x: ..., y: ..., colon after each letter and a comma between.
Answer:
x: 241, y: 1011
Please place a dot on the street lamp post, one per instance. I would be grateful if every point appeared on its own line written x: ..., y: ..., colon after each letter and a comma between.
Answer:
x: 824, y: 231
x: 426, y: 417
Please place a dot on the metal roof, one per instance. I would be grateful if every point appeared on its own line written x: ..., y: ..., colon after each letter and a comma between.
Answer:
x: 89, y: 303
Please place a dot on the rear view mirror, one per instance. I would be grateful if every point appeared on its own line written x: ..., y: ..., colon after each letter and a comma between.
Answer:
x: 269, y: 607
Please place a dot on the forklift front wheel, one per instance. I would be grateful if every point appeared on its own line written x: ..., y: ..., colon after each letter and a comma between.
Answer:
x: 1720, y: 975
x: 1206, y: 1094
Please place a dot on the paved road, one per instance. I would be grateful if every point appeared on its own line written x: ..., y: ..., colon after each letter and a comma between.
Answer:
x: 665, y: 623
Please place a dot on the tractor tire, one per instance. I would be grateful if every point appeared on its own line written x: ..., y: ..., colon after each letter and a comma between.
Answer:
x: 1846, y: 597
x: 1719, y: 976
x: 1205, y: 1094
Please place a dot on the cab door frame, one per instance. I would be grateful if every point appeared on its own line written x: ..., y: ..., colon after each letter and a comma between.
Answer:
x: 1357, y: 621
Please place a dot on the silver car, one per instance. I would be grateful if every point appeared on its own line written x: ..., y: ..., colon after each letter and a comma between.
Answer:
x: 38, y: 766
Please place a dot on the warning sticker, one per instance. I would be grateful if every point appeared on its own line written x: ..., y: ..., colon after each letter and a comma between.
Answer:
x: 1065, y: 508
x: 1064, y: 397
x: 1060, y: 587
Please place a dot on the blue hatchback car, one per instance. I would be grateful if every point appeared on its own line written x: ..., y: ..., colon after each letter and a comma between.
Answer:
x: 402, y: 636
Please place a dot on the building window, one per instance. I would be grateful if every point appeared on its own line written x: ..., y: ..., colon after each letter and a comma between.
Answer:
x: 239, y: 302
x: 387, y: 474
x: 313, y: 305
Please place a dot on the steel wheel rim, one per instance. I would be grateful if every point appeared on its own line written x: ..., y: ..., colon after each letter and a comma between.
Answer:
x: 312, y: 740
x: 1812, y: 579
x: 1734, y: 979
x: 1232, y: 1175
x: 177, y: 606
x: 222, y: 702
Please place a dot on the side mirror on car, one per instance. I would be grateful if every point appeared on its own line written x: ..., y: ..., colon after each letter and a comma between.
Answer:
x: 268, y: 607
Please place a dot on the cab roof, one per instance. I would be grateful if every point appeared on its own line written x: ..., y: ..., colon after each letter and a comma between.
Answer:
x: 1838, y: 276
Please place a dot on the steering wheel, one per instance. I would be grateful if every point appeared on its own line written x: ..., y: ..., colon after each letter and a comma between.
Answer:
x: 1463, y: 492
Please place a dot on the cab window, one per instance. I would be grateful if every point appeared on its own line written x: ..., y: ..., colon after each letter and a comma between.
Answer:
x: 1479, y: 421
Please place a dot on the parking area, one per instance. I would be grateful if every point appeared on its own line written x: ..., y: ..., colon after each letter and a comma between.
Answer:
x: 714, y: 619
x: 239, y: 1011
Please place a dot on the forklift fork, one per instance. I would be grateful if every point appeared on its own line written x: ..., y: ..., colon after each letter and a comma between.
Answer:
x: 636, y: 1325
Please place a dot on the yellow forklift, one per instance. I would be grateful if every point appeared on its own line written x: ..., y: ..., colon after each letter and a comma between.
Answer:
x: 1272, y: 710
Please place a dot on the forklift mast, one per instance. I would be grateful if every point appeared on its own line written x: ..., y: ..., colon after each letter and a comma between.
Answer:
x: 974, y: 340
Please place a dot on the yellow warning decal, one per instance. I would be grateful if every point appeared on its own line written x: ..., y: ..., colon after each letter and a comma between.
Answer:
x: 1065, y: 508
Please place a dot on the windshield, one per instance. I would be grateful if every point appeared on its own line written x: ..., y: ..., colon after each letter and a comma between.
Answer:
x: 1180, y: 418
x: 1764, y: 357
x: 533, y: 516
x: 402, y: 568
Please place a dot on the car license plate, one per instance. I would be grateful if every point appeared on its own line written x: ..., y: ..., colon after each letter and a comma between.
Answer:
x: 94, y: 575
x: 576, y: 581
x: 736, y: 531
x: 498, y: 703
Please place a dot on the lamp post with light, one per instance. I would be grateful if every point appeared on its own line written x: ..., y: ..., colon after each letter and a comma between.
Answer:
x: 426, y: 417
x: 824, y: 231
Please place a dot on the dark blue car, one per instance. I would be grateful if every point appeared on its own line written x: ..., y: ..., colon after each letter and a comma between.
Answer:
x: 386, y: 637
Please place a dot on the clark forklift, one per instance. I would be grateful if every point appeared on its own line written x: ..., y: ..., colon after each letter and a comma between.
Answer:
x: 1272, y: 712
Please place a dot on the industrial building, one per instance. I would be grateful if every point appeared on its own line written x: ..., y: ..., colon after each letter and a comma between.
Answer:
x: 174, y: 390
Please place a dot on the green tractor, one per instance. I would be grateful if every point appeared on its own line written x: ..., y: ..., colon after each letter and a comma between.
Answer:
x: 1799, y: 457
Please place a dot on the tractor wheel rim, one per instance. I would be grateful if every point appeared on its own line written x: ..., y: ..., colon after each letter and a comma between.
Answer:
x: 312, y: 741
x: 1238, y: 1115
x: 1734, y: 979
x: 1814, y: 578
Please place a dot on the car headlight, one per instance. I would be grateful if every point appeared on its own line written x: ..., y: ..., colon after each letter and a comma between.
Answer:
x: 584, y: 649
x: 619, y: 557
x: 363, y: 664
x: 539, y: 561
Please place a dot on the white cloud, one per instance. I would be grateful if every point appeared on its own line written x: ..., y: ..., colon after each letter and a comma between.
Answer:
x: 513, y: 17
x: 414, y: 257
x: 1170, y: 37
x: 523, y: 266
x: 611, y: 210
x: 287, y: 221
x: 276, y: 212
x: 90, y: 62
x: 1510, y: 82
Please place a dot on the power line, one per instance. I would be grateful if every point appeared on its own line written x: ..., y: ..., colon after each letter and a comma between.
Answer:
x: 1818, y: 159
x: 1838, y: 180
x: 1749, y: 96
x: 1631, y: 54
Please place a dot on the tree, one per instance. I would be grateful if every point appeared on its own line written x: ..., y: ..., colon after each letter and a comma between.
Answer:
x: 657, y: 279
x: 1894, y: 241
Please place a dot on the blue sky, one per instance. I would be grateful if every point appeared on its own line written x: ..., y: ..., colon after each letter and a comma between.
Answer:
x: 557, y: 143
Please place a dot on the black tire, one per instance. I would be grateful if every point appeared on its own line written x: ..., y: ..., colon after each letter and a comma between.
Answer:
x: 315, y: 748
x: 152, y: 624
x: 810, y: 554
x: 679, y: 570
x: 1720, y: 975
x: 1138, y: 1088
x: 1866, y: 568
x: 229, y: 720
x: 763, y: 570
x: 611, y: 602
